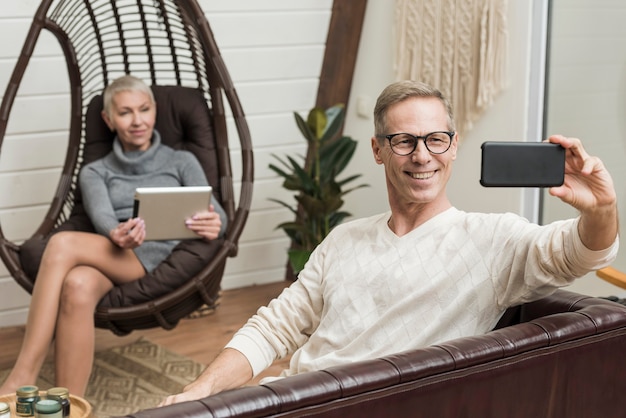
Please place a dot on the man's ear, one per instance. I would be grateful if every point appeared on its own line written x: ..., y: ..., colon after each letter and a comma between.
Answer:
x: 106, y: 119
x: 455, y: 145
x: 376, y: 150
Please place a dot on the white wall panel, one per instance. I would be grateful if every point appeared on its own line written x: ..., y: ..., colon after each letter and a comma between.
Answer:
x: 20, y: 223
x: 39, y: 76
x: 39, y: 114
x: 234, y: 281
x: 17, y: 9
x: 266, y: 98
x: 16, y: 30
x: 9, y: 299
x: 11, y: 317
x: 262, y: 225
x: 248, y: 6
x: 274, y: 62
x: 258, y: 255
x: 273, y: 50
x: 275, y: 130
x: 28, y: 188
x: 17, y: 151
x: 245, y: 30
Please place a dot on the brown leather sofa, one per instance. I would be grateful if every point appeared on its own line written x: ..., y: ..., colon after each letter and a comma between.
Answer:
x: 562, y: 356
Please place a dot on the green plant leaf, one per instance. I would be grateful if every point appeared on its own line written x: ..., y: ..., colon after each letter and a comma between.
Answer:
x: 338, y: 217
x: 335, y: 157
x: 280, y: 171
x: 317, y: 191
x: 311, y: 204
x: 298, y: 259
x: 293, y: 232
x: 308, y: 134
x: 280, y: 202
x: 360, y: 186
x: 335, y: 116
x: 300, y: 179
x: 350, y: 179
x: 316, y: 121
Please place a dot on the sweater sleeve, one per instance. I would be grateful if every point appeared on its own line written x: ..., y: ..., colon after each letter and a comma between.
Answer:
x: 285, y: 324
x: 535, y: 260
x: 191, y: 174
x: 96, y: 200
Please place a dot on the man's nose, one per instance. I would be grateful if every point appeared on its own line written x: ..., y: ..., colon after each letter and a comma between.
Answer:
x: 421, y: 153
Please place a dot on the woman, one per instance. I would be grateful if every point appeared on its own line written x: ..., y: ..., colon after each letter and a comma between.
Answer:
x: 79, y: 268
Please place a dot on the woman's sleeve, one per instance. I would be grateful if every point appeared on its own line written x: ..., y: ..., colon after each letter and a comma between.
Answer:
x: 192, y: 174
x: 96, y: 201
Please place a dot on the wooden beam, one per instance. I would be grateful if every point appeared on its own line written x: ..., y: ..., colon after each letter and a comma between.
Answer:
x: 342, y: 46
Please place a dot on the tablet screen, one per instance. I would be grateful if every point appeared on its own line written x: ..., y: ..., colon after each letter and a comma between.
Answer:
x: 165, y: 209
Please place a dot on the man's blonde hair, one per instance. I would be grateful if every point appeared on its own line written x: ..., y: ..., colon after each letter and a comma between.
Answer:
x: 400, y: 91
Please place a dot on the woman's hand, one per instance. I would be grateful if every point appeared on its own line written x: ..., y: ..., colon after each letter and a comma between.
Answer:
x: 129, y: 234
x: 206, y: 224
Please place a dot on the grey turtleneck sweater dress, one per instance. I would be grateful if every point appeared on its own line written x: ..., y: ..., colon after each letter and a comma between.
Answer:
x: 108, y: 188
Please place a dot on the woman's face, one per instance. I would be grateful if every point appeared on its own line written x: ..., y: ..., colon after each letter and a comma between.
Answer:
x: 132, y: 116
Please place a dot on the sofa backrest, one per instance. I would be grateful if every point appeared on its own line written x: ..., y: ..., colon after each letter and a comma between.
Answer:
x: 566, y: 361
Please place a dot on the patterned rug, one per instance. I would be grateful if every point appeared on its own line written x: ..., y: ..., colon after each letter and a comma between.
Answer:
x: 130, y: 378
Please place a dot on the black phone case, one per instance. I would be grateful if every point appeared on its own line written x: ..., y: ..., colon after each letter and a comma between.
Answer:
x: 522, y: 164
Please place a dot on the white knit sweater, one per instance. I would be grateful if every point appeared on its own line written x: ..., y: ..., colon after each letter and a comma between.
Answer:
x: 367, y: 293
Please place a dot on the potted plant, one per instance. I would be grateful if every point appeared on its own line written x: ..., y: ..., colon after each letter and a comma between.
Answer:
x: 318, y: 191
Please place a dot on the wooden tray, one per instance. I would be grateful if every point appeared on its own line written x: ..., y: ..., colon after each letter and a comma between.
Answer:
x: 79, y: 408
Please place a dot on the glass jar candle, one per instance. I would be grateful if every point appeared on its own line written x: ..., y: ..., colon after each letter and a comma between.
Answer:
x: 48, y: 408
x: 26, y: 398
x: 62, y: 395
x: 5, y: 411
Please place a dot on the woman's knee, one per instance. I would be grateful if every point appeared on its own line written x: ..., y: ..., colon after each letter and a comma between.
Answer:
x: 82, y: 289
x: 61, y: 245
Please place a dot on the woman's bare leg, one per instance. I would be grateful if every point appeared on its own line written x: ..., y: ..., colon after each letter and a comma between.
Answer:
x: 75, y: 331
x: 64, y: 251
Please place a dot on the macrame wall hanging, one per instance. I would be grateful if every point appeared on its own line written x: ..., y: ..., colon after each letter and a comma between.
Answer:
x: 458, y: 46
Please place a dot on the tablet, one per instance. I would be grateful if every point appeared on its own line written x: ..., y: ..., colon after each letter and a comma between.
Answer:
x: 164, y: 209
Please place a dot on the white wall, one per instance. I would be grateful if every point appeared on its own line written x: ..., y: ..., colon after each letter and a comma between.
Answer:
x: 505, y: 120
x: 274, y: 52
x: 587, y: 99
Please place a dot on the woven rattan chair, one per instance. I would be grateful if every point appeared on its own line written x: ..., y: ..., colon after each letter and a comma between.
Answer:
x: 169, y: 44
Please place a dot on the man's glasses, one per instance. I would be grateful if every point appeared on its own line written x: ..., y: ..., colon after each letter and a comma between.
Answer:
x: 435, y: 142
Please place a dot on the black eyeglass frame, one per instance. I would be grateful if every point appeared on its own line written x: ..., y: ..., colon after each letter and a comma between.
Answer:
x: 423, y: 138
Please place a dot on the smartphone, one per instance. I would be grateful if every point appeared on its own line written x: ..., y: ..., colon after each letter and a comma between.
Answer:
x: 522, y: 164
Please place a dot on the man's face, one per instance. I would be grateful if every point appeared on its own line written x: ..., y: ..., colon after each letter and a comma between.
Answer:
x: 420, y: 178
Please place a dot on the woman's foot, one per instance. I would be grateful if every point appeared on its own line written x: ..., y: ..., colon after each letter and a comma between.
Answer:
x: 7, y: 389
x: 10, y: 386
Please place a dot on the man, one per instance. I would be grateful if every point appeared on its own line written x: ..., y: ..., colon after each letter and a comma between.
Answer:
x: 424, y: 272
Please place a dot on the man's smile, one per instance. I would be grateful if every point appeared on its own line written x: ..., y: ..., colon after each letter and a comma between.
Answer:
x: 422, y: 176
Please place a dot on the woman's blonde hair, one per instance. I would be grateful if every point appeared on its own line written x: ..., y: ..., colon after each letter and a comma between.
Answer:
x: 124, y: 83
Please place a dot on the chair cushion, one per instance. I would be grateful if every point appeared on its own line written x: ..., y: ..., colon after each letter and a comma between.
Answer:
x: 184, y: 121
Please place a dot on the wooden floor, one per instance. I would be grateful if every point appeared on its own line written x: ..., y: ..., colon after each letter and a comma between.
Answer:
x: 200, y: 338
